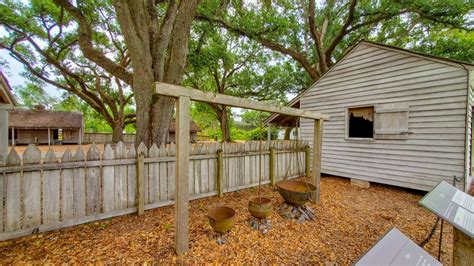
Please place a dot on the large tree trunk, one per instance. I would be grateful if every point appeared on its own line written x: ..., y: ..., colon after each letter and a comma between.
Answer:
x: 157, y: 45
x: 223, y: 116
x: 117, y: 132
x: 158, y: 53
x: 225, y: 128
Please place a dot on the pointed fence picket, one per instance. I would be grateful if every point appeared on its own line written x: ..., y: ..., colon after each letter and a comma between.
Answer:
x: 82, y: 186
x: 67, y: 187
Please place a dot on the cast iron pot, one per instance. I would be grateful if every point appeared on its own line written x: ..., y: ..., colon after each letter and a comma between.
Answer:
x: 260, y: 207
x: 222, y: 219
x: 295, y: 192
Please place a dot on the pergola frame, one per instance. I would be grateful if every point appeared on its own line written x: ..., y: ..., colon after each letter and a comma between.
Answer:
x: 184, y: 96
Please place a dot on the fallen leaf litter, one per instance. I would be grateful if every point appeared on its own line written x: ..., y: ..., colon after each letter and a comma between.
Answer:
x: 348, y: 221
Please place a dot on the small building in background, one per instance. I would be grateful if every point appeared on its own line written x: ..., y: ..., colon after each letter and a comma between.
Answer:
x: 7, y: 102
x: 193, y: 130
x: 41, y: 126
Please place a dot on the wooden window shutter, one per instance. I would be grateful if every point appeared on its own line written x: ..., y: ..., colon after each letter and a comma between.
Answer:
x: 391, y: 121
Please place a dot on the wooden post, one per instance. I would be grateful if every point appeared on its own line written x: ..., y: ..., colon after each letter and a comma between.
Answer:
x: 220, y: 173
x: 307, y: 154
x: 272, y: 166
x: 140, y: 187
x: 49, y: 136
x: 13, y: 136
x: 181, y: 214
x: 317, y: 152
x: 3, y: 134
x: 80, y: 136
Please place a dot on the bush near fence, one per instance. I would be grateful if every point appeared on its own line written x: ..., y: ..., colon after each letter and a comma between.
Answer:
x: 46, y: 194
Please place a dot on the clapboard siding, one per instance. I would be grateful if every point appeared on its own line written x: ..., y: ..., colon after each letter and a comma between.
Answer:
x: 437, y: 99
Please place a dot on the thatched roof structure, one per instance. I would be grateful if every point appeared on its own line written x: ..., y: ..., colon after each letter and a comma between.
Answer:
x: 41, y: 118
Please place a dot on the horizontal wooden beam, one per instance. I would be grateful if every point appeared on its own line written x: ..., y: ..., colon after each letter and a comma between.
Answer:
x: 201, y: 96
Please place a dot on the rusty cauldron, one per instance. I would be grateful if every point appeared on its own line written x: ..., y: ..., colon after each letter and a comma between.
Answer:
x: 222, y: 219
x: 295, y: 192
x: 260, y: 207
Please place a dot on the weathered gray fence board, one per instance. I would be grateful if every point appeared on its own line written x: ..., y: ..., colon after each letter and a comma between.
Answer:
x: 163, y: 175
x: 93, y: 182
x: 31, y: 189
x: 131, y: 179
x: 142, y: 149
x: 41, y: 196
x: 79, y: 180
x: 120, y: 178
x: 13, y: 195
x: 51, y: 191
x: 171, y: 173
x: 153, y: 176
x: 67, y: 188
x: 108, y: 180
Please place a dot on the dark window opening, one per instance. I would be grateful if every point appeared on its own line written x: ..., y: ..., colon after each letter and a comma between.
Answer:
x: 10, y: 134
x: 361, y: 122
x: 55, y: 134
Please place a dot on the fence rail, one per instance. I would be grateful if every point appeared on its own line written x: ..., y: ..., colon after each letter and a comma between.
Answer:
x: 50, y: 193
x: 106, y: 138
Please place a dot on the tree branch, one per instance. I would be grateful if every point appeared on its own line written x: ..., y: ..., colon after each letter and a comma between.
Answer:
x: 342, y: 31
x: 318, y: 42
x: 85, y: 42
x: 300, y: 58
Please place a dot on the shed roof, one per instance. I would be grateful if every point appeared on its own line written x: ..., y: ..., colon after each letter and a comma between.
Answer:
x: 40, y: 118
x: 281, y: 119
x: 6, y: 95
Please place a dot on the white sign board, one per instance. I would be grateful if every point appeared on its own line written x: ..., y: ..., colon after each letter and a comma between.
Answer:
x: 396, y: 249
x: 452, y: 205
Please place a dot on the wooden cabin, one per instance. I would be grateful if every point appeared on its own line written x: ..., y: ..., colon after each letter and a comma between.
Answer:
x: 7, y: 102
x: 397, y: 117
x: 40, y: 126
x: 193, y: 130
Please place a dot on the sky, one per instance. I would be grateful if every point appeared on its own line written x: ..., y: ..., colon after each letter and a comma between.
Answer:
x: 14, y: 69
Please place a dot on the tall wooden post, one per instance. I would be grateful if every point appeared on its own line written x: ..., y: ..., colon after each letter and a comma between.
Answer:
x: 140, y: 187
x: 13, y: 136
x: 272, y: 166
x: 307, y: 158
x: 3, y: 134
x: 317, y: 152
x: 220, y: 173
x: 181, y: 214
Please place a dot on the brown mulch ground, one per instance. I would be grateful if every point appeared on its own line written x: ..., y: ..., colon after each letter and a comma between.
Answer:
x: 349, y: 221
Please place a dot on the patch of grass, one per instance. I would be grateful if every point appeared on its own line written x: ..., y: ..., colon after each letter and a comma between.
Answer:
x: 103, y: 225
x: 168, y: 226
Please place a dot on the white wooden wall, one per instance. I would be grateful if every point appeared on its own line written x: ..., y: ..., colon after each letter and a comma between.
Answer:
x: 436, y: 96
x: 45, y: 194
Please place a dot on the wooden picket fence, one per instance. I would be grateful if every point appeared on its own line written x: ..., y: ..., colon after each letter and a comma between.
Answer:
x: 41, y: 194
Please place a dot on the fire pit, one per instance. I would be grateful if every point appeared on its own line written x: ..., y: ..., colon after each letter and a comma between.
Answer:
x: 260, y: 207
x: 300, y: 213
x: 295, y: 192
x: 222, y: 219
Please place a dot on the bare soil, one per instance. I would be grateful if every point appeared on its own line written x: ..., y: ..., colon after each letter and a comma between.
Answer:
x: 349, y: 221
